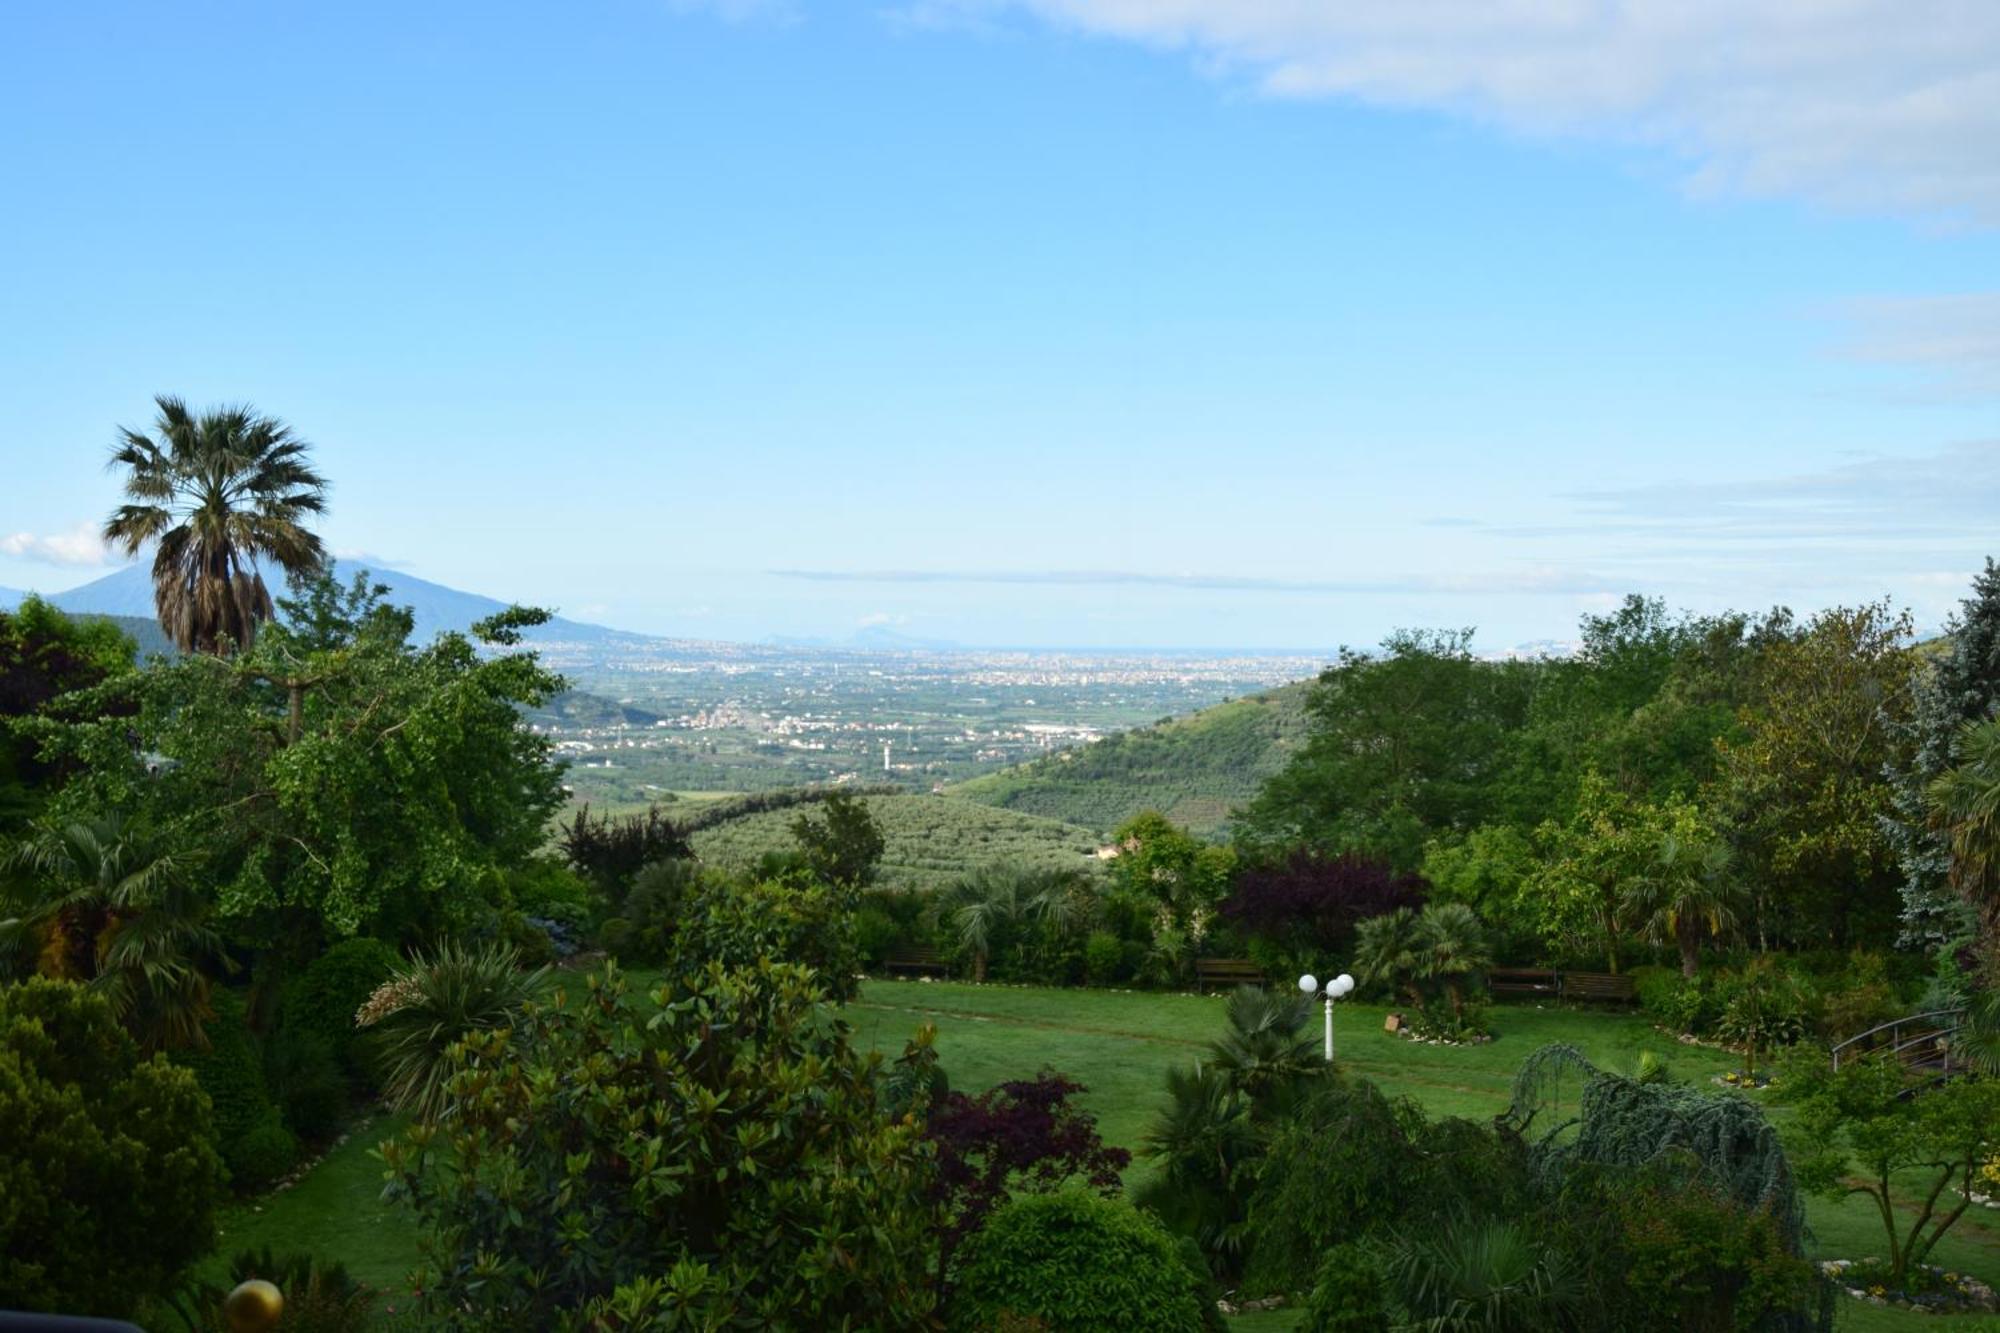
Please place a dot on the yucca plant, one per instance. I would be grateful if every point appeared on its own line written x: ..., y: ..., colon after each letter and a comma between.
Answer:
x: 430, y: 1005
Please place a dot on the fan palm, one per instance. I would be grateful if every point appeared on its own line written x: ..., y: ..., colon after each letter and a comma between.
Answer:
x: 1386, y: 952
x: 1202, y: 1141
x: 1965, y: 804
x: 987, y: 905
x: 1452, y: 944
x: 1691, y: 895
x: 217, y: 492
x: 1266, y: 1051
x: 1481, y: 1277
x: 108, y: 906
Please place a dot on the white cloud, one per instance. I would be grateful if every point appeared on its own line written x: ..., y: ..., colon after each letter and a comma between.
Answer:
x: 1868, y: 105
x: 80, y: 546
x: 1953, y: 341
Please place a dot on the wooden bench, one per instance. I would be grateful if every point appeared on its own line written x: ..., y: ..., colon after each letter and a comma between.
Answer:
x: 1226, y: 972
x: 1523, y: 981
x: 916, y: 959
x: 1609, y: 986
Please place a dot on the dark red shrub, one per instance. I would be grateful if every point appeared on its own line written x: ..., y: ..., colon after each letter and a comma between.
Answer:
x: 1313, y: 900
x: 1022, y: 1136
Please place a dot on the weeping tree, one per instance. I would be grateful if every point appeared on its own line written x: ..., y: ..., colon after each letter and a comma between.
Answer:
x: 1621, y: 1122
x: 216, y: 493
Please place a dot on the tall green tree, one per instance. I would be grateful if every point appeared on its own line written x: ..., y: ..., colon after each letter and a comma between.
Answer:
x: 1957, y: 684
x: 1691, y: 894
x: 44, y: 654
x: 1401, y: 747
x: 844, y: 844
x: 1806, y: 787
x: 402, y: 783
x: 216, y: 492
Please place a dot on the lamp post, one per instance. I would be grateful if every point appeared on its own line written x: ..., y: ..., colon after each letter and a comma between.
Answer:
x: 1333, y: 990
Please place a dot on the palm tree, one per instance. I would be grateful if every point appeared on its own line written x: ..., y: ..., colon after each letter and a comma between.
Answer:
x: 1473, y: 1276
x: 1690, y: 896
x: 1266, y: 1052
x: 987, y: 905
x: 217, y: 492
x: 1452, y: 944
x: 1206, y: 1148
x: 117, y: 911
x: 1386, y: 950
x: 1965, y: 804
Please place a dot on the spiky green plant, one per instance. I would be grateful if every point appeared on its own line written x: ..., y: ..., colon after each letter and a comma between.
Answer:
x: 1480, y: 1277
x: 433, y: 1003
x: 1266, y: 1053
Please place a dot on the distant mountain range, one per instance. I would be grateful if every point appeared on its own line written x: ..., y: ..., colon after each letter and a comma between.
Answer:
x: 436, y: 608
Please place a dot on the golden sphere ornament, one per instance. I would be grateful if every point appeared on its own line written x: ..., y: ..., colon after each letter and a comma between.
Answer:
x: 253, y: 1307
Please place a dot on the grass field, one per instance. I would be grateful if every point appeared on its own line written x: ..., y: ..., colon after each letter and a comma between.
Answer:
x: 1118, y: 1044
x: 928, y: 840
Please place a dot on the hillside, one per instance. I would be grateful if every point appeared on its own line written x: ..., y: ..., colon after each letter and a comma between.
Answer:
x: 1195, y: 768
x: 929, y: 839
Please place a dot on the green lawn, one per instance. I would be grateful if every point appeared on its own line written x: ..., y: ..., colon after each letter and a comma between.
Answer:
x: 1117, y: 1044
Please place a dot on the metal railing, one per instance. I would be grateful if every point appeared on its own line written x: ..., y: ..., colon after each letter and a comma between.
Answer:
x: 1921, y: 1041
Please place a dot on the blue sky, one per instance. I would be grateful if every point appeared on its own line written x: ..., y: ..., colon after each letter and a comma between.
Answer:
x: 1223, y: 323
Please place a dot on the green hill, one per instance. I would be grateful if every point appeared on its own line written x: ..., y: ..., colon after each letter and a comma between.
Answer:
x: 1195, y: 769
x: 927, y: 839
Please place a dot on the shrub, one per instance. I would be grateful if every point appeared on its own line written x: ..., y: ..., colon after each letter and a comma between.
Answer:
x: 262, y: 1153
x: 307, y: 1083
x: 231, y: 1072
x: 1023, y: 1136
x: 793, y: 920
x: 1079, y: 1263
x: 610, y: 851
x: 876, y: 935
x: 1857, y: 997
x: 109, y: 1178
x: 529, y: 941
x: 1677, y: 1003
x: 320, y: 1001
x: 1764, y: 1006
x: 586, y: 1178
x: 1103, y: 958
x: 1347, y: 1294
x: 650, y: 915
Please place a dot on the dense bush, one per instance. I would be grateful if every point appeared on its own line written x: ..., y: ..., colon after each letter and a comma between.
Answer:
x: 249, y: 1128
x: 1308, y: 904
x: 1764, y: 1005
x: 109, y: 1178
x: 590, y: 1176
x: 1079, y: 1263
x: 1103, y: 959
x: 321, y: 1001
x: 610, y: 850
x: 1346, y: 1294
x: 1677, y: 1003
x: 307, y: 1083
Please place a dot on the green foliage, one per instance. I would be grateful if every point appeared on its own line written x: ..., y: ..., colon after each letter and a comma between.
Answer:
x: 364, y: 787
x: 1482, y: 1276
x: 1022, y: 924
x: 249, y: 1129
x: 1342, y: 1168
x: 1626, y: 1124
x: 1764, y: 1005
x: 1347, y: 1293
x: 927, y: 840
x: 45, y: 654
x: 1206, y: 1148
x: 1104, y: 959
x: 1196, y: 769
x: 429, y: 1005
x: 737, y: 924
x: 1952, y: 687
x: 318, y: 1005
x: 1806, y: 786
x: 1678, y: 1003
x: 1862, y: 1126
x: 118, y: 905
x: 109, y: 1179
x: 1400, y: 748
x: 842, y: 844
x: 720, y: 1158
x: 1965, y: 805
x: 1079, y: 1263
x: 307, y: 1082
x: 1266, y: 1052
